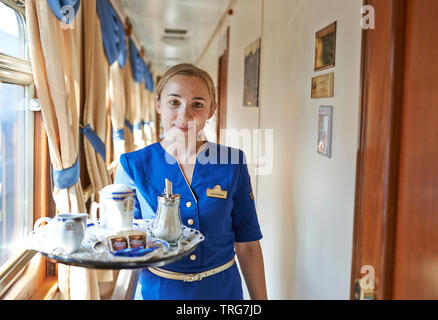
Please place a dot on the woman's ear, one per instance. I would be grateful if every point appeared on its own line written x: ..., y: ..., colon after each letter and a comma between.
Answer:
x: 212, y: 111
x: 157, y: 104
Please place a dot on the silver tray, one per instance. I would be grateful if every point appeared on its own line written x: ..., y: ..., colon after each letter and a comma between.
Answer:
x: 94, y: 254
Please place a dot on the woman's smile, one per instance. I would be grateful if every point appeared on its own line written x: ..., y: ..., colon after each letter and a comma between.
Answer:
x: 181, y: 128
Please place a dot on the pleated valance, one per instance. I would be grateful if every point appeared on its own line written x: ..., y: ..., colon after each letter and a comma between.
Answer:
x: 113, y: 33
x: 65, y: 10
x: 147, y: 75
x: 136, y: 62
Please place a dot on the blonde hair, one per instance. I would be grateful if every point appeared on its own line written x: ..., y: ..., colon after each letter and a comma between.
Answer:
x: 187, y: 69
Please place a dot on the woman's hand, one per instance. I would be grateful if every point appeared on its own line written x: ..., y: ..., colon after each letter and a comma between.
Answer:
x: 250, y: 257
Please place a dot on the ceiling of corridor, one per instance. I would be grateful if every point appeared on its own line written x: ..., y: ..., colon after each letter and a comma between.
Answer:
x: 174, y: 31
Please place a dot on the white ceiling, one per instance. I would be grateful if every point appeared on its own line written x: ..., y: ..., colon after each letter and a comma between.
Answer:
x: 151, y: 17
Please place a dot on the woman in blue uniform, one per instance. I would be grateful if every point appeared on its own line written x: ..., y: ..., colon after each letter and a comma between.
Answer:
x: 216, y: 196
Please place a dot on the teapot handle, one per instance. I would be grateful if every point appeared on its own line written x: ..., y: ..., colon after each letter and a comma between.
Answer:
x: 128, y: 204
x: 93, y: 214
x: 38, y: 223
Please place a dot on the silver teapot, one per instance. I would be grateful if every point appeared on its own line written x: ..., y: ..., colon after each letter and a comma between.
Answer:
x: 167, y: 224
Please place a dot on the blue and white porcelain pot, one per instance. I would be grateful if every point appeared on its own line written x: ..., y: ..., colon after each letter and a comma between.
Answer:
x: 116, y: 207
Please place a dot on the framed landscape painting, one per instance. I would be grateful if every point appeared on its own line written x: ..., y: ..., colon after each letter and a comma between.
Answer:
x: 252, y: 74
x: 325, y: 47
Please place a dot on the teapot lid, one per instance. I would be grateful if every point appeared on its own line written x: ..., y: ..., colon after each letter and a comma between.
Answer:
x: 118, y: 189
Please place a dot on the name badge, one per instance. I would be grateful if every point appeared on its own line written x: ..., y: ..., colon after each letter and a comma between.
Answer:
x: 217, y: 192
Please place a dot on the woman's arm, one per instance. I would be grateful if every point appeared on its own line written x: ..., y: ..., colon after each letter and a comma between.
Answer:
x: 250, y: 257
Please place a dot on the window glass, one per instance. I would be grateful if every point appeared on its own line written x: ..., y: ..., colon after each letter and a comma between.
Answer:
x: 14, y: 224
x: 12, y: 36
x: 16, y: 141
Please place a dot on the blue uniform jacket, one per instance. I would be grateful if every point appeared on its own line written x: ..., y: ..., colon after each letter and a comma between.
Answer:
x: 221, y: 221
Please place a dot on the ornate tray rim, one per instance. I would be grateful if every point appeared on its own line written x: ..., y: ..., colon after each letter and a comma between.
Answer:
x: 125, y: 262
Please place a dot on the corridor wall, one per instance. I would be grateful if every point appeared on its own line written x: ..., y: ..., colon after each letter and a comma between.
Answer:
x: 306, y: 203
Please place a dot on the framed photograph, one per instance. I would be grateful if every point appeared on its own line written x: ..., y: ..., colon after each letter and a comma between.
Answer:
x: 325, y: 116
x: 325, y: 47
x: 251, y: 75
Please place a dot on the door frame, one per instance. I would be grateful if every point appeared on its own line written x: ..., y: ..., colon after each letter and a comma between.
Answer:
x: 222, y: 84
x: 382, y: 66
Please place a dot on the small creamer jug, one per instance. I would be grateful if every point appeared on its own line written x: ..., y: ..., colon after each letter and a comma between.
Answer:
x: 64, y: 231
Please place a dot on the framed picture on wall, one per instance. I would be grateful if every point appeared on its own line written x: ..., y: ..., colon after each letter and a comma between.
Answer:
x: 325, y: 47
x: 325, y: 116
x: 251, y: 75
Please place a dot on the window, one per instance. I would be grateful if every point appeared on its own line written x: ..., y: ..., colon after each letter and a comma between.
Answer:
x: 16, y: 133
x: 14, y: 222
x: 12, y: 36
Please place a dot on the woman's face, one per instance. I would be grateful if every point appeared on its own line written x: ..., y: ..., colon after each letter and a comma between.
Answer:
x: 184, y: 106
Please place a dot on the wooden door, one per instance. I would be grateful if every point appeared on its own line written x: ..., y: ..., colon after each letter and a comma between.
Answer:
x: 222, y: 88
x: 396, y: 210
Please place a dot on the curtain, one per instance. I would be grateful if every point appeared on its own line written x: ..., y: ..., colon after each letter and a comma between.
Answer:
x: 129, y: 104
x: 146, y: 117
x: 118, y: 107
x: 55, y: 47
x: 152, y: 114
x: 96, y: 98
x: 114, y: 43
x: 100, y: 50
x: 134, y: 106
x: 142, y: 99
x: 149, y: 105
x: 137, y: 116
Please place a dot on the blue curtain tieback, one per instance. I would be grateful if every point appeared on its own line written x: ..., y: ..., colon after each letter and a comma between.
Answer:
x: 138, y: 125
x: 129, y: 125
x: 66, y: 178
x: 119, y: 134
x: 95, y: 141
x: 65, y: 10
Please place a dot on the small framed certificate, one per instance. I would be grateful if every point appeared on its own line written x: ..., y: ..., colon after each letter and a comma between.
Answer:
x: 325, y: 116
x: 323, y: 86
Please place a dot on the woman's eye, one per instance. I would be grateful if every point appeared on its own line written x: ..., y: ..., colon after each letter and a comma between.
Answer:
x: 198, y: 105
x: 174, y: 102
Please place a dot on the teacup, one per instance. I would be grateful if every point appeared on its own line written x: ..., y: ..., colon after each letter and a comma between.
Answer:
x: 64, y: 231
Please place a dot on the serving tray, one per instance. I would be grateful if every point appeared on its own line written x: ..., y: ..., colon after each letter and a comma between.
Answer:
x: 94, y: 252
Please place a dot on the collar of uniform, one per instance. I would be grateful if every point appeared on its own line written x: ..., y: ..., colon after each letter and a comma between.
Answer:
x: 180, y: 176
